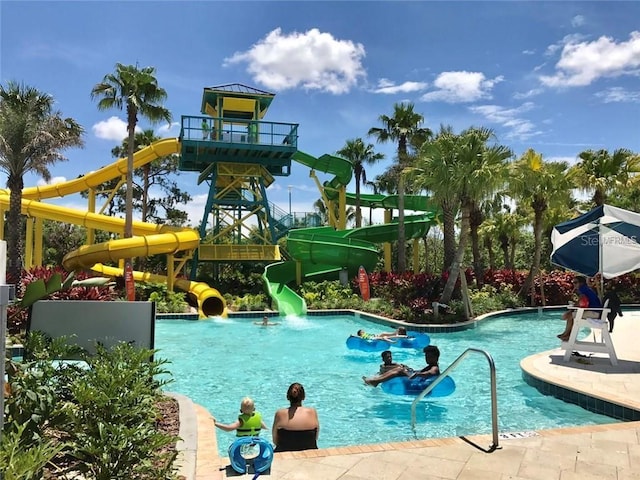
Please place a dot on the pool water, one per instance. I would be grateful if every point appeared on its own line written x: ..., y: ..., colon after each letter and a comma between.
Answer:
x: 217, y: 362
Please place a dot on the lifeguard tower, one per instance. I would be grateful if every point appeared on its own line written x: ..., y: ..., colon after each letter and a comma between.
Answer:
x: 238, y: 155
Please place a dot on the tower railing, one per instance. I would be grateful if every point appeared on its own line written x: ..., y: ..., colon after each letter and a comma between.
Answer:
x: 238, y: 131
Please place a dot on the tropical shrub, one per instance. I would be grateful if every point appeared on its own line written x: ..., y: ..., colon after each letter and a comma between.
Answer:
x: 17, y: 316
x: 100, y: 421
x: 166, y: 301
x: 22, y: 461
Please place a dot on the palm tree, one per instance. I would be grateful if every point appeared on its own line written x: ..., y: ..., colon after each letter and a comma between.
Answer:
x: 359, y: 154
x: 404, y: 128
x: 478, y: 170
x: 507, y: 230
x: 432, y: 173
x: 322, y: 210
x: 539, y: 185
x: 32, y: 135
x: 137, y: 90
x: 376, y: 190
x: 600, y: 172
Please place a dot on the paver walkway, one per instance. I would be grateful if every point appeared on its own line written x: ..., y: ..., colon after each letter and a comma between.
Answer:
x: 599, y: 452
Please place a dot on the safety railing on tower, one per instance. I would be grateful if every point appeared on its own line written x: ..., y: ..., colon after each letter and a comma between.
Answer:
x: 238, y: 131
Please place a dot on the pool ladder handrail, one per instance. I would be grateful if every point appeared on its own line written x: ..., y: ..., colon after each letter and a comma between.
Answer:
x: 494, y: 395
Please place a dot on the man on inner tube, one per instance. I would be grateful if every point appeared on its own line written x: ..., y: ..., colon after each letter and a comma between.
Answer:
x: 431, y: 355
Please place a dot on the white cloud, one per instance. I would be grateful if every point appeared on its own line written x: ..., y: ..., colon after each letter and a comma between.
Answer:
x: 531, y: 93
x: 166, y: 128
x: 618, y: 94
x: 581, y: 63
x: 111, y: 129
x: 389, y: 87
x: 462, y: 86
x: 577, y: 21
x: 510, y: 118
x: 53, y: 181
x: 312, y: 60
x: 528, y: 52
x: 571, y: 38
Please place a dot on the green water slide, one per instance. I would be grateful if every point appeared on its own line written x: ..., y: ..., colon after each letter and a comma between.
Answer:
x: 323, y: 252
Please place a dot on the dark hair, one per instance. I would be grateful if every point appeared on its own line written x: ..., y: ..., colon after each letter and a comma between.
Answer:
x: 295, y: 394
x: 385, y: 353
x: 359, y: 332
x: 433, y: 350
x: 580, y: 279
x: 402, y: 331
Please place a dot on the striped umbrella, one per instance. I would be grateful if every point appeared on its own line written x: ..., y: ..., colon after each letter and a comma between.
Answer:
x: 603, y: 240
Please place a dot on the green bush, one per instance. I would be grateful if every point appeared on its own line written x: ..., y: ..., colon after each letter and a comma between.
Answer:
x: 166, y: 301
x: 20, y: 460
x: 248, y: 302
x: 113, y: 432
x: 101, y: 418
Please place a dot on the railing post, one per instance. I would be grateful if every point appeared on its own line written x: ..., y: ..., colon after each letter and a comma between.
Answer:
x: 494, y: 392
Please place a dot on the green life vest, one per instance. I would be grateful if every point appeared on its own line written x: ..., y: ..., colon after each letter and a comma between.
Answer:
x: 251, y: 425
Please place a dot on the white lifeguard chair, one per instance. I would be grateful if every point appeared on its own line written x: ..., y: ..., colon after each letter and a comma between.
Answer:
x: 605, y: 345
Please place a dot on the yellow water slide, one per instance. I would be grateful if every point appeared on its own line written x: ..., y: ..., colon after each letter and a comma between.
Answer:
x: 149, y: 239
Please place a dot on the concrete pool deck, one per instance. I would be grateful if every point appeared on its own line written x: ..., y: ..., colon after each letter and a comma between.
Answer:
x: 594, y: 452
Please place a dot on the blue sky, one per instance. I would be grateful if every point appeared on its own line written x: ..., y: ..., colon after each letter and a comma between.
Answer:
x: 559, y: 77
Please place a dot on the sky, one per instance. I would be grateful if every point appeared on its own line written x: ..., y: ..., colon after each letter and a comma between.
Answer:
x: 558, y: 77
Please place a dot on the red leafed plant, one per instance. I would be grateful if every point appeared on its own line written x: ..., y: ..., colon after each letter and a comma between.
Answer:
x: 17, y: 314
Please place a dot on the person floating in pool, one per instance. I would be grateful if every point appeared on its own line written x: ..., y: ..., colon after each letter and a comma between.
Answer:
x: 265, y: 322
x: 390, y: 337
x: 388, y: 363
x: 399, y: 332
x: 431, y: 355
x: 249, y: 421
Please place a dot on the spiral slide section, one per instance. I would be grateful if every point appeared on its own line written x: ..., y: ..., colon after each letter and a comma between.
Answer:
x: 149, y: 239
x: 323, y: 252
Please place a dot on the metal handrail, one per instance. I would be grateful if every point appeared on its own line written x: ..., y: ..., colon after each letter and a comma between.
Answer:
x: 494, y: 395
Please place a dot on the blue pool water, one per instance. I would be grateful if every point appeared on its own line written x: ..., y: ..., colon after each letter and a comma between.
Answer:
x: 217, y: 362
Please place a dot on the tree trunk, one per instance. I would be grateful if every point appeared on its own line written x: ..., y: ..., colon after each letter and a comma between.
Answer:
x: 425, y: 240
x: 358, y: 211
x: 535, y: 266
x: 488, y: 244
x: 128, y: 219
x: 14, y: 232
x: 504, y: 246
x: 402, y: 253
x: 454, y: 270
x: 475, y: 221
x: 449, y: 234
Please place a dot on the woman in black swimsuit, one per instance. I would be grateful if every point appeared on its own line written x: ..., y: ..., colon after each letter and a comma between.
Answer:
x: 297, y: 427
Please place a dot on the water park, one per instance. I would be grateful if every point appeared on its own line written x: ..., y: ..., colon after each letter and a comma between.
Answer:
x: 502, y: 399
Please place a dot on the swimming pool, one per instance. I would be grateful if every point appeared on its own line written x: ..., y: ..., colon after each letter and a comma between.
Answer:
x: 216, y: 362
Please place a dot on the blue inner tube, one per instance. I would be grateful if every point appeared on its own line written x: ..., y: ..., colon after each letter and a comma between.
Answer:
x: 415, y: 386
x: 260, y: 463
x: 416, y: 340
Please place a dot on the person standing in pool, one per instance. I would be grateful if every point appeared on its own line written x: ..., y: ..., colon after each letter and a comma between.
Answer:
x: 431, y: 355
x: 265, y: 322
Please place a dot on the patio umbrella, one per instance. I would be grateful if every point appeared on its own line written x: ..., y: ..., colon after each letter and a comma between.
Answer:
x: 603, y: 240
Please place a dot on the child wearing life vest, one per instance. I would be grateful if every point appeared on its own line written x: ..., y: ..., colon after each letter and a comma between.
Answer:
x: 249, y: 421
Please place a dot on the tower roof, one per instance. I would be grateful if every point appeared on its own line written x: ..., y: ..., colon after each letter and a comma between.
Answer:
x: 236, y: 99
